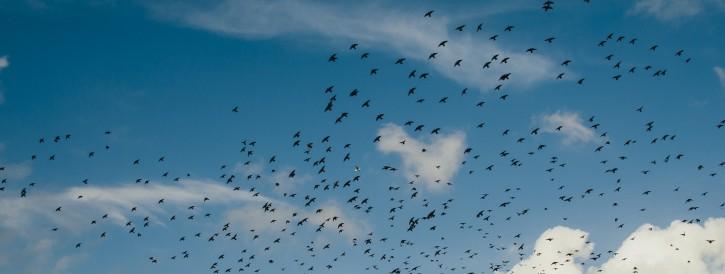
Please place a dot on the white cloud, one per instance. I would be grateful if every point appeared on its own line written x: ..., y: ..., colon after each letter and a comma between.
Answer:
x: 247, y: 169
x: 668, y: 9
x: 253, y: 217
x: 35, y: 255
x: 241, y: 206
x: 572, y: 127
x: 720, y: 72
x: 63, y: 264
x: 652, y: 250
x: 15, y: 171
x: 655, y: 250
x: 401, y: 32
x: 285, y: 184
x: 440, y: 161
x: 4, y: 63
x: 557, y: 250
x: 280, y: 180
x: 117, y: 201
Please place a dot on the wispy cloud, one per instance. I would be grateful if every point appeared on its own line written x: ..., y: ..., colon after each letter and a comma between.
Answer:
x: 251, y: 168
x: 117, y: 201
x: 331, y: 215
x: 37, y: 254
x: 665, y: 10
x: 435, y: 166
x: 278, y: 178
x: 65, y: 262
x: 401, y: 32
x: 23, y: 220
x: 14, y: 171
x: 284, y: 184
x: 569, y: 125
x: 720, y: 72
x: 4, y: 63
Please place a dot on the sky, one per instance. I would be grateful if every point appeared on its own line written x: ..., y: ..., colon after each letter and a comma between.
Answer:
x: 127, y: 128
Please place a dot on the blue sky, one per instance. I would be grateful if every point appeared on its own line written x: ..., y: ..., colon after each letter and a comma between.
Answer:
x: 163, y: 78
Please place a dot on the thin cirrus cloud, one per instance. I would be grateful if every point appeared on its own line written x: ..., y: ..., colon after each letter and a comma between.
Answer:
x: 680, y: 248
x: 572, y: 126
x: 330, y: 214
x: 4, y: 63
x: 24, y: 218
x: 667, y: 10
x: 435, y: 166
x: 279, y: 179
x: 720, y: 72
x: 17, y: 171
x: 117, y: 201
x: 400, y: 32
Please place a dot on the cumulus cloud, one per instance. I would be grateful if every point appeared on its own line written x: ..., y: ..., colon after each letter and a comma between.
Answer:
x: 397, y: 31
x: 557, y: 250
x: 680, y: 248
x: 720, y: 72
x: 572, y: 128
x: 669, y: 9
x: 434, y: 167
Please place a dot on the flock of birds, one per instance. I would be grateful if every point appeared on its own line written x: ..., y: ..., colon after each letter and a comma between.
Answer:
x: 393, y: 253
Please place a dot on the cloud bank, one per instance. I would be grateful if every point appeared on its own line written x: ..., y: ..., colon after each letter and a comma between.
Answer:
x: 680, y: 248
